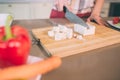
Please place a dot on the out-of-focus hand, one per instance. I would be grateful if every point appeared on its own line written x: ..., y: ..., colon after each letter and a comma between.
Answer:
x: 95, y: 17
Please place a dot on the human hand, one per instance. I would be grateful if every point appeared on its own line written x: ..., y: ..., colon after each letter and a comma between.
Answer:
x: 96, y: 18
x: 28, y: 71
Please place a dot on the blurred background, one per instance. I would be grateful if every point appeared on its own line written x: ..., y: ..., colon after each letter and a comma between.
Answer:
x: 40, y: 9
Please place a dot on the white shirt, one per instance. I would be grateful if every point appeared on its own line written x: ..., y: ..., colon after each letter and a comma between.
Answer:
x: 83, y: 6
x: 80, y: 6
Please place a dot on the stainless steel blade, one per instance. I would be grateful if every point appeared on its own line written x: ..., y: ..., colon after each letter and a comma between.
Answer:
x: 73, y: 18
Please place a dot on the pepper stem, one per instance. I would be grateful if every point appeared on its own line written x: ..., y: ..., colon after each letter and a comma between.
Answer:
x: 8, y: 28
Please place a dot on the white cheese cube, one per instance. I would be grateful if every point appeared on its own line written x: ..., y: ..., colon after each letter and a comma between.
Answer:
x: 62, y: 28
x: 83, y: 30
x: 56, y: 29
x: 51, y: 33
x: 79, y: 37
x: 60, y: 36
x: 69, y: 33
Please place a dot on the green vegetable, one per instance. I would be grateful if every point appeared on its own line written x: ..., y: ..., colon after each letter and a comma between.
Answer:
x: 118, y: 24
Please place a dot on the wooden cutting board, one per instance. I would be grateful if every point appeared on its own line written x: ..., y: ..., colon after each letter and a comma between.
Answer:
x: 103, y: 36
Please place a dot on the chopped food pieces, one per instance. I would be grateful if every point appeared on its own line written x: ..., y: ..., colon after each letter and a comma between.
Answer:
x: 79, y: 37
x: 62, y: 32
x: 118, y: 24
x: 116, y: 20
x: 51, y: 33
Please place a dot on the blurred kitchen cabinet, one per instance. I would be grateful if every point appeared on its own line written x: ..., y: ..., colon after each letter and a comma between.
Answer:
x: 27, y: 10
x: 40, y: 10
x: 105, y: 10
x: 5, y: 8
x: 17, y: 10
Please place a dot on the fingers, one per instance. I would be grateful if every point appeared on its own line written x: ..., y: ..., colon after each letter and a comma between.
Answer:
x: 88, y: 20
x: 96, y: 19
x: 99, y: 21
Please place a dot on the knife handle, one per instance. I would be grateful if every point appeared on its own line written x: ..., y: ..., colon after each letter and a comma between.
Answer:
x: 64, y: 9
x: 94, y: 21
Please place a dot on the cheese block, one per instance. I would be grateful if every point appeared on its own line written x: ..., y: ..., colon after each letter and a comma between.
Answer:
x: 84, y: 30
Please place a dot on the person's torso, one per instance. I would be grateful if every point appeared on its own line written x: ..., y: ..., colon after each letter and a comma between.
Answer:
x: 79, y: 6
x: 83, y: 6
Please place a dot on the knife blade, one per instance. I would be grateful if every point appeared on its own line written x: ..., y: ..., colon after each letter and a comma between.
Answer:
x: 73, y: 18
x: 40, y: 45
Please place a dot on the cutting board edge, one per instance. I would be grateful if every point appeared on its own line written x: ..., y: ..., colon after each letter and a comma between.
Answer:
x: 86, y: 50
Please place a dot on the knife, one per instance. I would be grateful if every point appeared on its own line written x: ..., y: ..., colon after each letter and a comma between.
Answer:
x: 73, y: 18
x: 40, y: 45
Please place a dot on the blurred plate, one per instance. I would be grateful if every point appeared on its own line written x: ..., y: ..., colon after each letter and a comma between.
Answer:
x: 32, y: 59
x: 113, y: 25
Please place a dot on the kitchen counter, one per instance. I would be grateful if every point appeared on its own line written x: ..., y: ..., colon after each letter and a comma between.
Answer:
x: 98, y: 64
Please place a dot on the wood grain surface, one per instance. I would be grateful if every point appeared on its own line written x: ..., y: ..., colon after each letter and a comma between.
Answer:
x: 103, y: 37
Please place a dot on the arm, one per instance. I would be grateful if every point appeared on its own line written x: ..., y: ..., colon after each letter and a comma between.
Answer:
x: 98, y: 6
x: 30, y: 70
x: 96, y: 11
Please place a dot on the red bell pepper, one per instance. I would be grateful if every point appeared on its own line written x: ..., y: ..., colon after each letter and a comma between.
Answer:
x: 116, y: 20
x: 14, y: 45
